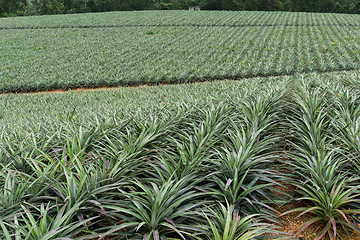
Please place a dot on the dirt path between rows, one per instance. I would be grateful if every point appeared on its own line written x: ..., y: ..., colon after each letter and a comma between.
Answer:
x: 138, y: 85
x: 293, y: 222
x: 56, y: 91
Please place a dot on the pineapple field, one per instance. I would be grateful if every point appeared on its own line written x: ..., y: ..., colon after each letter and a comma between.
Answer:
x: 207, y: 125
x: 122, y: 49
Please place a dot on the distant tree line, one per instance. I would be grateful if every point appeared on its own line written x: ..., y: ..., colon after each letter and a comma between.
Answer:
x: 38, y: 7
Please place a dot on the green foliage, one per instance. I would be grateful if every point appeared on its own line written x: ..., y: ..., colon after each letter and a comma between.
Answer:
x: 12, y: 7
x: 48, y: 6
x: 170, y: 170
x: 162, y: 162
x: 149, y: 178
x: 159, y: 210
x: 43, y: 222
x: 330, y: 204
x: 134, y: 48
x: 241, y: 176
x: 31, y: 7
x: 318, y: 166
x: 227, y: 224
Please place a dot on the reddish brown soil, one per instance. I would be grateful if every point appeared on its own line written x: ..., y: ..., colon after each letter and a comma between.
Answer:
x: 82, y: 89
x: 66, y: 91
x: 293, y: 222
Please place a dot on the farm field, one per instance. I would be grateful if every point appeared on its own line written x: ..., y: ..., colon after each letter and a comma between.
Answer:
x: 181, y: 18
x: 269, y: 149
x: 46, y: 56
x: 87, y: 107
x: 118, y: 171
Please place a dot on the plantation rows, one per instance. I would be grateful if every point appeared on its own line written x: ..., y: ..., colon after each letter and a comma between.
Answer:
x: 43, y: 59
x: 181, y: 18
x: 87, y: 108
x: 196, y: 172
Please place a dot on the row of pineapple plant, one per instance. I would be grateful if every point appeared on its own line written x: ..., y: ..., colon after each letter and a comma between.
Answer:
x: 172, y: 54
x: 321, y: 164
x: 199, y: 173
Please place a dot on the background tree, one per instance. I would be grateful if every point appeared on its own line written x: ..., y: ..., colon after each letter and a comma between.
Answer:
x: 12, y: 6
x: 31, y: 7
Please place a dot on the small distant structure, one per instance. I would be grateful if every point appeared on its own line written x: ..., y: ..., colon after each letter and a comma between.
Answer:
x: 194, y: 8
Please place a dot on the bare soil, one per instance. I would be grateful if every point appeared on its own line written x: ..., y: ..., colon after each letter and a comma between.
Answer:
x: 293, y: 222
